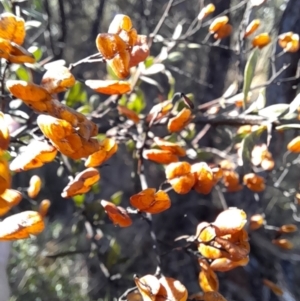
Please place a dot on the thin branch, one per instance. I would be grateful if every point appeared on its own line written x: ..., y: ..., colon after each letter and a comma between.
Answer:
x: 161, y: 22
x: 2, y: 81
x: 96, y: 22
x: 63, y: 27
x: 88, y: 59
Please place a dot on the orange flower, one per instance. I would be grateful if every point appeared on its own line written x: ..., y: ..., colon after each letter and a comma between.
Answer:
x: 252, y: 27
x: 261, y: 40
x: 254, y: 182
x: 177, y: 123
x: 180, y: 177
x: 160, y: 156
x: 150, y: 201
x: 204, y: 178
x: 109, y: 86
x: 117, y: 214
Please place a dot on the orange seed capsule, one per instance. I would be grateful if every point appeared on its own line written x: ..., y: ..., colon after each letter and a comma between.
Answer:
x: 160, y: 156
x: 283, y: 243
x: 178, y: 122
x: 294, y: 145
x: 223, y: 32
x: 256, y: 221
x: 218, y: 23
x: 261, y: 40
x: 44, y: 207
x: 34, y: 188
x: 206, y: 11
x: 252, y: 27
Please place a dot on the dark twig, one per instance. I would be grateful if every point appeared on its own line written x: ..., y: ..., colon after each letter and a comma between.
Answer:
x: 3, y: 96
x: 161, y: 22
x: 88, y: 59
x: 63, y: 27
x: 98, y: 17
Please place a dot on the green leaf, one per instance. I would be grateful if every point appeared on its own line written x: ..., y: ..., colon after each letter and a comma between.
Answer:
x: 95, y: 188
x: 85, y: 109
x: 291, y: 126
x: 149, y: 61
x: 137, y: 101
x: 130, y: 145
x: 111, y: 73
x: 294, y: 105
x: 116, y: 198
x: 274, y: 111
x: 171, y: 81
x: 23, y: 74
x: 249, y: 74
x: 154, y: 69
x: 79, y: 199
x: 259, y: 103
x: 181, y: 103
x: 247, y: 146
x: 174, y: 57
x: 6, y: 156
x: 114, y: 254
x: 193, y: 46
x: 76, y: 95
x: 36, y: 52
x: 6, y: 6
